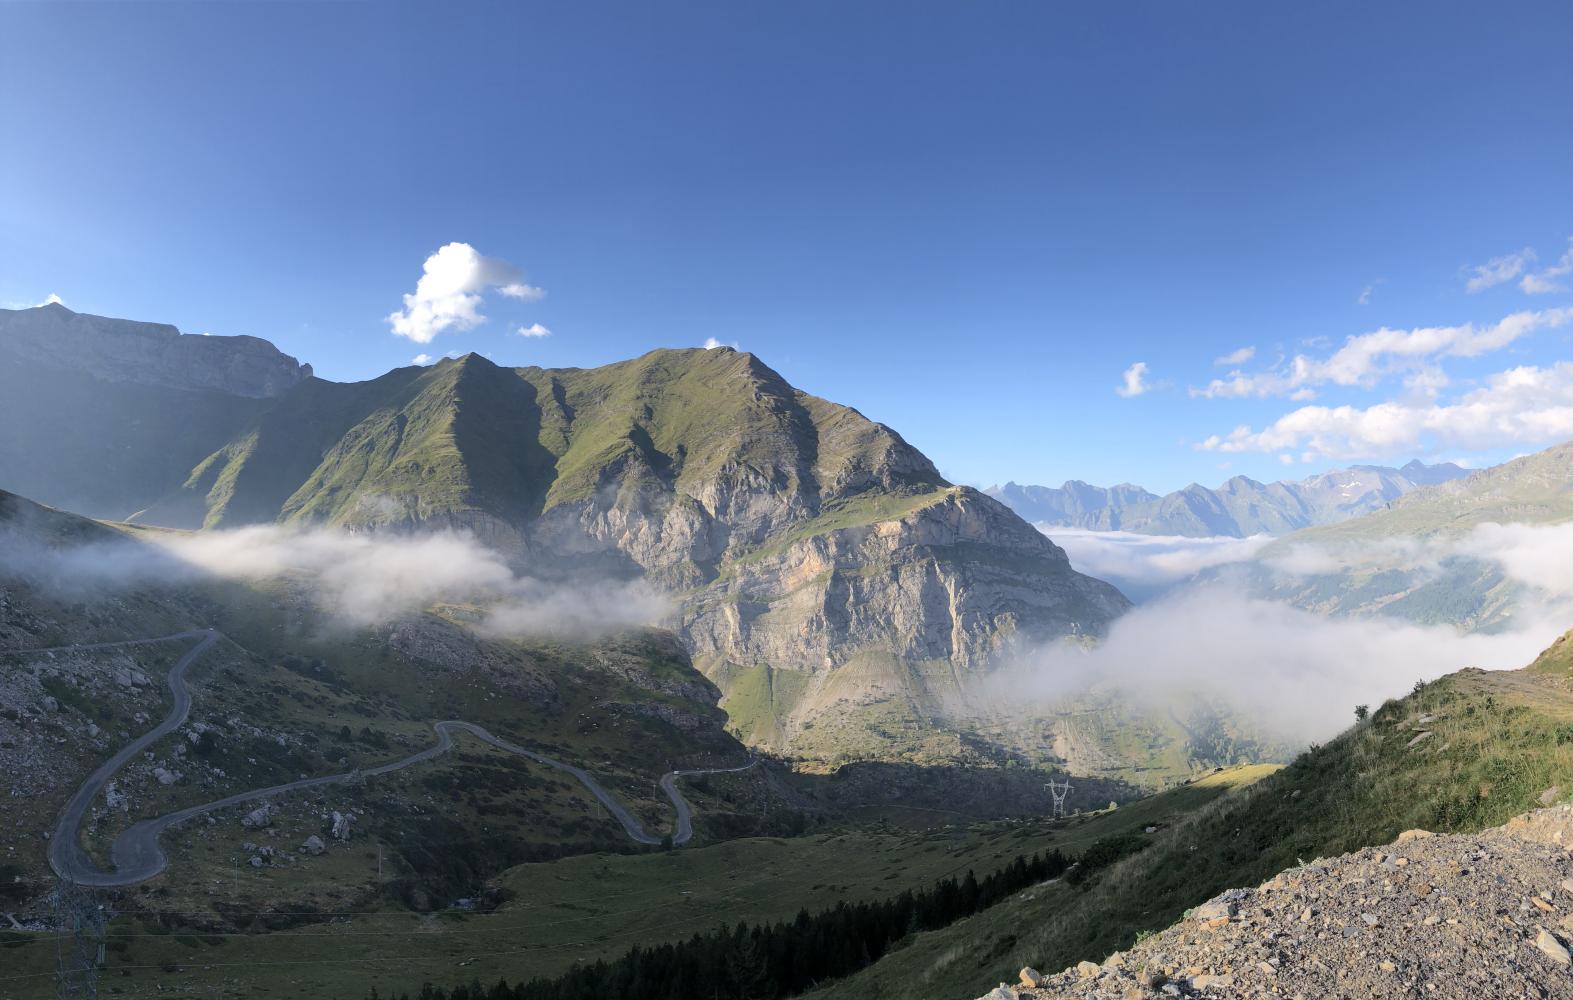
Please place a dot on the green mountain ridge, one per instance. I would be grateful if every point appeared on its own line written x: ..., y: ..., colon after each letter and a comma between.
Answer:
x: 803, y: 543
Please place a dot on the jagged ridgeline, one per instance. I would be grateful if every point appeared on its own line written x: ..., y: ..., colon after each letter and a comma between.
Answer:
x: 824, y: 574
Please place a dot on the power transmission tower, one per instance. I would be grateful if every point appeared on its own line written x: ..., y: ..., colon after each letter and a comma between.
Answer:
x: 79, y: 940
x: 1058, y: 792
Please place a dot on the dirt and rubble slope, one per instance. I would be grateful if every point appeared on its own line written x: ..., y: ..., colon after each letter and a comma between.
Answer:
x: 1478, y: 915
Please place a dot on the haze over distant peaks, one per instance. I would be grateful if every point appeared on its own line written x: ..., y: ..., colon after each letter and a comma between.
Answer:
x: 121, y: 350
x: 1239, y: 508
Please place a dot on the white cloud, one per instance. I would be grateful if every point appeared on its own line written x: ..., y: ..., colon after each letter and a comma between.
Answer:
x: 1142, y: 564
x: 1525, y: 405
x: 1540, y: 555
x: 422, y: 359
x: 1498, y: 270
x: 1368, y: 291
x: 1298, y: 674
x: 534, y: 330
x: 1238, y: 357
x: 1546, y: 281
x: 52, y: 300
x: 448, y: 294
x: 519, y: 290
x: 711, y: 344
x: 361, y: 578
x: 1135, y: 381
x: 1536, y: 555
x: 1366, y: 359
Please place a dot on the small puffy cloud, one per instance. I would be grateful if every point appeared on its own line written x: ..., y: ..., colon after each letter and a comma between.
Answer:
x: 519, y: 290
x: 1366, y: 359
x: 422, y: 359
x: 534, y: 330
x: 1135, y: 381
x: 52, y: 300
x: 448, y: 294
x: 1368, y: 291
x: 1238, y: 357
x: 1524, y: 405
x: 711, y: 344
x: 1498, y: 270
x: 1549, y: 280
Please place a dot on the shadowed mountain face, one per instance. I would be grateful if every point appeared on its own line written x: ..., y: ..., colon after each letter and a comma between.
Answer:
x: 819, y: 562
x: 120, y: 350
x: 102, y: 416
x: 1239, y: 508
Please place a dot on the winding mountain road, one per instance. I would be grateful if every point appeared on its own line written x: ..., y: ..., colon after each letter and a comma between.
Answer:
x: 137, y: 856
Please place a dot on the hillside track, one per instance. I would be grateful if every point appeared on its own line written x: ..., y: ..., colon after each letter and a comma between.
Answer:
x: 136, y: 855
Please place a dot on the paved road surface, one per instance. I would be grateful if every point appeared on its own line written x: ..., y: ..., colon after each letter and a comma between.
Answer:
x: 136, y: 853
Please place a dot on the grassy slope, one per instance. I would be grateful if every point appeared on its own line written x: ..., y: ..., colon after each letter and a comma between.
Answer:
x: 587, y: 907
x: 464, y: 435
x: 1498, y: 741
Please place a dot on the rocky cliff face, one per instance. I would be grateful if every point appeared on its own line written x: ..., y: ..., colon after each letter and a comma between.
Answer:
x: 118, y: 350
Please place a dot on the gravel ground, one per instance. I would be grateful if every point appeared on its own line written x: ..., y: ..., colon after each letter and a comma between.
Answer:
x: 1487, y: 916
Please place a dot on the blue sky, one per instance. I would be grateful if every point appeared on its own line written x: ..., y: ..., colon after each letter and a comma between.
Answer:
x: 967, y: 220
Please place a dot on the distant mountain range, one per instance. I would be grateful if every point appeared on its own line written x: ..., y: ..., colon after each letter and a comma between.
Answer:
x: 1239, y: 508
x: 820, y: 564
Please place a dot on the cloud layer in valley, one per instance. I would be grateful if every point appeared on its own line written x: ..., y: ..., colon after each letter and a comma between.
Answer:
x: 1539, y: 556
x: 361, y: 579
x: 1297, y: 673
x: 1144, y: 566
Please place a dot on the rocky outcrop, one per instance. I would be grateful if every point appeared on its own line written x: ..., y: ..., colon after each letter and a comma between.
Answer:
x: 1469, y: 916
x: 118, y: 350
x: 950, y: 581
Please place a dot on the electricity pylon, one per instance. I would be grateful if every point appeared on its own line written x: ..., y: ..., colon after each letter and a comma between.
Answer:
x: 1059, y: 792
